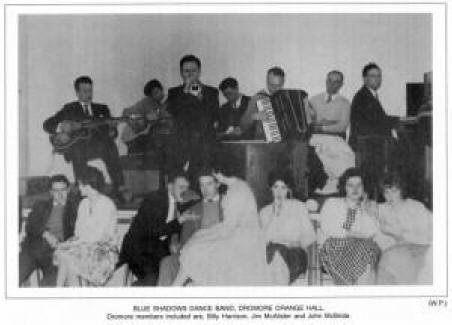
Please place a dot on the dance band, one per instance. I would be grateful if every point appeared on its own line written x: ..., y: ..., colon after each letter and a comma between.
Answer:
x: 218, y: 236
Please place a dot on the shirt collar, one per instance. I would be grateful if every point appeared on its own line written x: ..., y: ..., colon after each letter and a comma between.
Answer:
x: 373, y: 92
x: 333, y: 97
x: 215, y: 199
x: 82, y: 103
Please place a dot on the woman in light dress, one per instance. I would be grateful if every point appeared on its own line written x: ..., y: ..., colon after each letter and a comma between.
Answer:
x: 406, y: 227
x: 90, y: 256
x: 230, y: 253
x: 348, y: 228
x: 288, y: 230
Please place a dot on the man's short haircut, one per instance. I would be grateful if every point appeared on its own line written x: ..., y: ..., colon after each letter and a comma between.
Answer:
x: 150, y: 85
x: 177, y: 174
x: 339, y: 73
x: 93, y: 177
x: 370, y: 66
x: 277, y: 71
x: 228, y: 83
x: 59, y: 178
x: 82, y: 80
x: 190, y: 58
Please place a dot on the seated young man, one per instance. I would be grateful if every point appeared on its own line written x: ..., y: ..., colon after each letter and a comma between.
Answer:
x: 203, y: 214
x: 49, y: 223
x: 148, y: 240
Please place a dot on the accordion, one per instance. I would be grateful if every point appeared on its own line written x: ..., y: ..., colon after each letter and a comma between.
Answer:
x: 286, y: 113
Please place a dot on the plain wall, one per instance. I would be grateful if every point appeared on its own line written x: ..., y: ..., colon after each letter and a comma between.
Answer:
x: 122, y: 52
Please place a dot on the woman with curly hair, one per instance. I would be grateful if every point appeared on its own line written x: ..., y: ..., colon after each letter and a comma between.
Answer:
x: 348, y: 225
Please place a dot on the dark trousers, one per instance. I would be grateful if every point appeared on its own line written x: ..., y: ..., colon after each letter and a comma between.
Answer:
x: 298, y: 163
x: 37, y: 254
x: 100, y: 147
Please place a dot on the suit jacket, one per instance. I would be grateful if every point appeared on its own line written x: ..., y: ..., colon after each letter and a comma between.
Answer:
x: 74, y: 111
x: 194, y: 117
x: 367, y: 117
x: 142, y: 247
x: 39, y: 215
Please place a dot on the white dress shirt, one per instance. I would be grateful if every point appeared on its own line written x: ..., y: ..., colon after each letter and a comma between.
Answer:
x: 89, y: 107
x: 171, y: 207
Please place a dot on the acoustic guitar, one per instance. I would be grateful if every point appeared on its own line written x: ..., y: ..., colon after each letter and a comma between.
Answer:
x: 79, y: 131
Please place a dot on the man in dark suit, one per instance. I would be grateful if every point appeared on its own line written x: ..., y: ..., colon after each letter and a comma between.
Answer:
x: 232, y: 111
x: 49, y: 222
x: 100, y: 145
x: 150, y: 236
x: 367, y: 116
x: 194, y: 107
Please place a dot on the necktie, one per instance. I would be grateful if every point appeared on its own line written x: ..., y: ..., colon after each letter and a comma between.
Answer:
x: 85, y: 109
x: 329, y: 99
x: 350, y: 220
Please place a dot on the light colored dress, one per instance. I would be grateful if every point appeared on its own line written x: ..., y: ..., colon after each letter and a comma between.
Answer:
x: 406, y: 242
x: 292, y: 231
x: 347, y: 236
x: 92, y: 252
x: 232, y: 252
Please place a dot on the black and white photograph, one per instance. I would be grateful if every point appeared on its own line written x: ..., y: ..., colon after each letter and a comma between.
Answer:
x: 236, y: 150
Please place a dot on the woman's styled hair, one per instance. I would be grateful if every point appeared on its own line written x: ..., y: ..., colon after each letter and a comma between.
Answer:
x: 93, y: 177
x: 393, y: 179
x: 283, y: 175
x: 349, y: 173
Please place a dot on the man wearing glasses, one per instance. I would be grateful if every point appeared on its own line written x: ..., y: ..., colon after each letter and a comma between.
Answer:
x: 49, y: 223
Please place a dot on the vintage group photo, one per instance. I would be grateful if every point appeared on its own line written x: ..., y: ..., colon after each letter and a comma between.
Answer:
x: 245, y: 149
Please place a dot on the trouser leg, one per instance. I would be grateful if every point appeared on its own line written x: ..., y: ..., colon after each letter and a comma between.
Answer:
x: 27, y: 264
x: 298, y: 154
x: 49, y: 270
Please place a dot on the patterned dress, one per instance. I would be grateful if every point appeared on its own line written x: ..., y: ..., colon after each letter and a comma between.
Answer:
x: 347, y: 234
x: 92, y: 253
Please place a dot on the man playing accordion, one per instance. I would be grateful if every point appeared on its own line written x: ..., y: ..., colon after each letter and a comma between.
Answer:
x: 275, y: 114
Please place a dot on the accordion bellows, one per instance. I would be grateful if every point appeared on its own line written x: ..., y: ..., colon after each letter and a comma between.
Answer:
x: 286, y: 114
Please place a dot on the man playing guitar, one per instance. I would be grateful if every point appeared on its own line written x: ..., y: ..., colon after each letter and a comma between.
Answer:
x: 100, y: 142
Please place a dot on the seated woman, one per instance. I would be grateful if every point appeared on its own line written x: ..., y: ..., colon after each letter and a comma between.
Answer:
x: 232, y: 252
x: 406, y: 227
x: 348, y: 224
x: 288, y: 230
x: 91, y: 254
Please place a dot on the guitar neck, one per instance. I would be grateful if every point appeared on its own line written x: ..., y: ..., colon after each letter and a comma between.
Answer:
x: 95, y: 123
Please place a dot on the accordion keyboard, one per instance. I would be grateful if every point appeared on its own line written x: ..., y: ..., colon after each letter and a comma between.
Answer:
x: 271, y: 128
